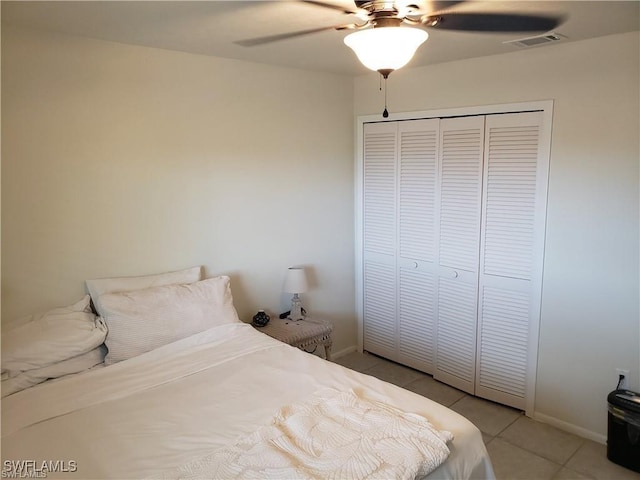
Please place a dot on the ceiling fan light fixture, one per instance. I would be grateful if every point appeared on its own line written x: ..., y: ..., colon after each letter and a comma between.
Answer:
x: 386, y: 48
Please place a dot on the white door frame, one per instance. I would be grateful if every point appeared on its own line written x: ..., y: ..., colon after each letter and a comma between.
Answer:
x: 544, y: 106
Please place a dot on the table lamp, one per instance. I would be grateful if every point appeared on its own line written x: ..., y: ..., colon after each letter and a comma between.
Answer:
x: 296, y: 283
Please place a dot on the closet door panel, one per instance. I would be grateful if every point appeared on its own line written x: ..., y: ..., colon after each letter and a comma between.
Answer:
x: 380, y: 233
x: 511, y: 232
x: 459, y: 208
x: 417, y: 183
x: 418, y: 169
x: 461, y: 150
x: 380, y: 329
x: 456, y: 328
x: 502, y: 359
x: 417, y: 295
x: 510, y: 198
x: 380, y: 188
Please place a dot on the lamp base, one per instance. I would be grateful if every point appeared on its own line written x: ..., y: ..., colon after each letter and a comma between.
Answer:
x: 296, y: 309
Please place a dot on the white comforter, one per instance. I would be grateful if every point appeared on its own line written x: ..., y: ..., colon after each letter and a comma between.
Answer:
x: 332, y: 435
x: 179, y: 403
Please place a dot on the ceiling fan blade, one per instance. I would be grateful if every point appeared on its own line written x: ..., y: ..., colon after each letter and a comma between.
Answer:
x: 433, y: 6
x: 331, y: 6
x: 252, y: 42
x: 494, y: 22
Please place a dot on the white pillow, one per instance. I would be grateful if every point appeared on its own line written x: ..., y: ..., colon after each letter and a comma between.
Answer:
x: 69, y: 366
x: 126, y: 284
x: 143, y: 320
x: 54, y: 336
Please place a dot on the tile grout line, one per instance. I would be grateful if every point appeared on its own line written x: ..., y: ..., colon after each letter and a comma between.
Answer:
x: 461, y: 398
x: 582, y: 444
x: 511, y: 423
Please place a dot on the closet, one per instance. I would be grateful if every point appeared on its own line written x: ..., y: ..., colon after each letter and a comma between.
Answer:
x: 452, y: 216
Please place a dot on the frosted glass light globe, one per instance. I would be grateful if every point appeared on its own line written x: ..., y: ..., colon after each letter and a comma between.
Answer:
x: 386, y: 48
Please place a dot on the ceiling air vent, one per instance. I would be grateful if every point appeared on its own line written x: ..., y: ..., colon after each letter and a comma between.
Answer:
x: 536, y: 41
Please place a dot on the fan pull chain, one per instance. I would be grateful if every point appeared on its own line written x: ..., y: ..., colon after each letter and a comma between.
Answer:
x: 385, y: 113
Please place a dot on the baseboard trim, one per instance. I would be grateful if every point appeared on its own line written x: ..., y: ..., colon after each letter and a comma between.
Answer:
x: 570, y: 427
x: 344, y: 352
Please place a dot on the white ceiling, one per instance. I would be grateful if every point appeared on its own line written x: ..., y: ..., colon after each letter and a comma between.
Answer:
x: 212, y: 27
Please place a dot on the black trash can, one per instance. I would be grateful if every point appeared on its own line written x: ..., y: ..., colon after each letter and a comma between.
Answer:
x: 623, y: 432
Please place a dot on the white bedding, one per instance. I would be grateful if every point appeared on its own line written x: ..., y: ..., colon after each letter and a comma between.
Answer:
x: 333, y: 434
x: 181, y: 402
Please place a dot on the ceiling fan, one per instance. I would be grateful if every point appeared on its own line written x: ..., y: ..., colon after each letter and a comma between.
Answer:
x: 388, y: 32
x: 433, y: 14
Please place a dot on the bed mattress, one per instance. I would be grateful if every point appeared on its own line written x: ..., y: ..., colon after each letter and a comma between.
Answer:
x: 156, y: 412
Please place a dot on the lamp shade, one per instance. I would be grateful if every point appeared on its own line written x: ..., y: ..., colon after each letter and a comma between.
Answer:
x: 296, y: 281
x: 386, y: 48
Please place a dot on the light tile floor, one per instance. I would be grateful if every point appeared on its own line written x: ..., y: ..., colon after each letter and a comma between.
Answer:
x: 520, y: 448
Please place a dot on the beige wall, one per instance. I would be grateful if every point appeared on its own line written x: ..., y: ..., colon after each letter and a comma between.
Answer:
x: 124, y: 160
x: 590, y: 319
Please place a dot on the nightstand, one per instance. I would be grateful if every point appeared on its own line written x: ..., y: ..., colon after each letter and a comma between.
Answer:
x: 305, y: 334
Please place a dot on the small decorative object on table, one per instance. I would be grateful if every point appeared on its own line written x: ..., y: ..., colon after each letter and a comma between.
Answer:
x: 260, y: 319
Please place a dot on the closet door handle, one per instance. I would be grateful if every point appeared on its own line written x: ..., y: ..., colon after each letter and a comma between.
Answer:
x: 415, y: 264
x: 454, y: 274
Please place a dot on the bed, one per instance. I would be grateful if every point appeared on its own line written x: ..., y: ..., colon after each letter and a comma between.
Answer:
x: 172, y: 411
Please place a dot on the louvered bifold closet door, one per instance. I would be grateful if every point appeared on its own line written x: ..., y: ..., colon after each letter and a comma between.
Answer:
x: 379, y: 239
x: 461, y: 151
x: 512, y: 236
x: 417, y: 174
